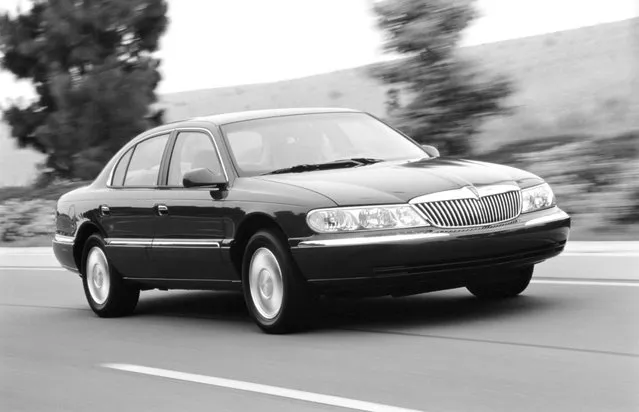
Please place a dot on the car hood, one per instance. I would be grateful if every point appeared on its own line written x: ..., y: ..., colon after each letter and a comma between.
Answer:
x: 400, y: 181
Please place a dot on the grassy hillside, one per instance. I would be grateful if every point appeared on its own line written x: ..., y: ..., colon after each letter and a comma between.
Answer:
x: 576, y: 81
x: 570, y: 82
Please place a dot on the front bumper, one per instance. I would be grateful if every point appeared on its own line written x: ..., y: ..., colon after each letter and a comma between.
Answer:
x: 443, y: 258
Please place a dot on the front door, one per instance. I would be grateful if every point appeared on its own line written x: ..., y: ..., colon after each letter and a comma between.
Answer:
x: 190, y: 222
x: 128, y: 217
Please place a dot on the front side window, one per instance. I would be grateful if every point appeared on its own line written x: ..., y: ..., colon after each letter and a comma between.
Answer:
x: 263, y: 145
x: 144, y: 166
x: 192, y: 150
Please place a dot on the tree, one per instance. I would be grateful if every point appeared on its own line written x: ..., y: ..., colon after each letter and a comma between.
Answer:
x: 91, y: 63
x: 392, y: 102
x: 447, y: 96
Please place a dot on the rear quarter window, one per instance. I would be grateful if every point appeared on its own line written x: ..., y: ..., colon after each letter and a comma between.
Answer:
x: 120, y: 169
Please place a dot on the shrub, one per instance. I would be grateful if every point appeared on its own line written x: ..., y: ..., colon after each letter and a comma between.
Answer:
x: 591, y: 176
x: 24, y: 219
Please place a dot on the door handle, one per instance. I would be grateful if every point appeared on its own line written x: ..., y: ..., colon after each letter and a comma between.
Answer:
x: 104, y: 210
x: 163, y: 210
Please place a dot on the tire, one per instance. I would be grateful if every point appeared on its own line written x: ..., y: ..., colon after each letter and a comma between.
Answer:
x: 516, y: 283
x: 107, y: 294
x: 276, y: 296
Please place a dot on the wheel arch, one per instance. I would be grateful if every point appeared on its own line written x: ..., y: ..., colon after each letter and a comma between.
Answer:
x: 250, y: 225
x: 85, y: 230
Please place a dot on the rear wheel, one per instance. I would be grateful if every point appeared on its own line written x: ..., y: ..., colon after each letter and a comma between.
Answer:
x: 516, y: 282
x: 276, y: 296
x: 107, y: 294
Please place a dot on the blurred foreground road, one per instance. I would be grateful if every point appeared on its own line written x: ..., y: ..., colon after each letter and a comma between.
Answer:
x: 570, y: 343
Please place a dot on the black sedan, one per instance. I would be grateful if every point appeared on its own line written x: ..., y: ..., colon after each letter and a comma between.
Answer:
x: 288, y: 205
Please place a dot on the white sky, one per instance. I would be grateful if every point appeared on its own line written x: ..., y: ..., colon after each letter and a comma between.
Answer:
x: 214, y: 43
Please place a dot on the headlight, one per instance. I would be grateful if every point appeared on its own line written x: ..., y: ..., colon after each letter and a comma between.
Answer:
x: 537, y: 198
x: 364, y: 218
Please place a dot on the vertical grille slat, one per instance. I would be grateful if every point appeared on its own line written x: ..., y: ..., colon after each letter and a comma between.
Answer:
x: 519, y: 201
x: 449, y: 212
x: 484, y: 211
x: 510, y: 199
x: 504, y: 207
x: 476, y: 212
x: 422, y: 207
x: 500, y: 208
x: 491, y: 208
x: 441, y: 209
x: 456, y: 213
x: 507, y: 209
x: 467, y: 212
x: 446, y: 211
x: 463, y: 209
x: 473, y: 212
x: 513, y: 201
x: 438, y: 219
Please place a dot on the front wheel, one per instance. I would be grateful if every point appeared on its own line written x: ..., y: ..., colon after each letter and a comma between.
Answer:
x: 107, y: 294
x: 516, y: 282
x: 276, y: 296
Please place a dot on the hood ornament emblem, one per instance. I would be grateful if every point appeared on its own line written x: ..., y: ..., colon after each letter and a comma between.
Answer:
x: 466, y: 192
x: 474, y: 191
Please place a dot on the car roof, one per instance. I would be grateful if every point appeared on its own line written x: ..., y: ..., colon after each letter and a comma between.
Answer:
x: 224, y: 118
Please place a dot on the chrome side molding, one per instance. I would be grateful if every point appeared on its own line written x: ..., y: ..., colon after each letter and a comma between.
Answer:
x: 167, y: 243
x: 128, y: 242
x: 186, y: 243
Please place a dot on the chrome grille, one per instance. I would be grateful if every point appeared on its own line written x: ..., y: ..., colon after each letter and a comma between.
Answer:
x: 472, y: 211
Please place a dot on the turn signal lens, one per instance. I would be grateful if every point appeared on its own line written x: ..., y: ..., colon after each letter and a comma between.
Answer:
x: 364, y: 218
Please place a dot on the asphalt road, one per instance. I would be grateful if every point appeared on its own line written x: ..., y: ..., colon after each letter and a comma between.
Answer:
x: 559, y: 347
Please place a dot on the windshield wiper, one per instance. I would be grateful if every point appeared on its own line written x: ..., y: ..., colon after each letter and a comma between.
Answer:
x: 356, y: 161
x: 362, y: 160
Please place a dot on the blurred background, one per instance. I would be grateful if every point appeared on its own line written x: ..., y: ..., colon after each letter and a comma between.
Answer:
x: 551, y: 86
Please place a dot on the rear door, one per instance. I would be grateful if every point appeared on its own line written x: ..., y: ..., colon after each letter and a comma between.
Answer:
x: 191, y: 222
x: 128, y: 217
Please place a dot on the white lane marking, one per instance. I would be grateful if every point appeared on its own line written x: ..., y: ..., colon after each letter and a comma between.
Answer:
x: 581, y: 282
x: 34, y: 268
x: 27, y: 254
x: 584, y: 282
x: 259, y: 388
x: 601, y: 254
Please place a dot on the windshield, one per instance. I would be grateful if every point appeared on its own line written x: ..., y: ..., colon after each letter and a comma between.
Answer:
x: 266, y: 145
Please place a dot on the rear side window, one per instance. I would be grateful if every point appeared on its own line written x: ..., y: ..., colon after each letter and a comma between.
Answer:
x: 120, y: 169
x: 144, y: 166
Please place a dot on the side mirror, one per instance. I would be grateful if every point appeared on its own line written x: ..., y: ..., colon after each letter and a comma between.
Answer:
x: 430, y: 150
x: 202, y: 178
